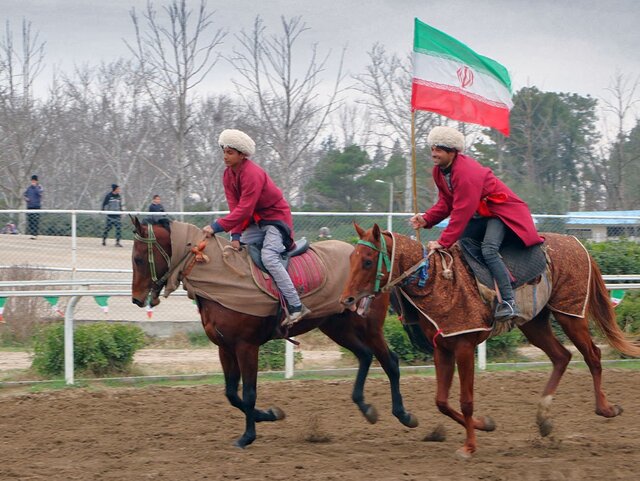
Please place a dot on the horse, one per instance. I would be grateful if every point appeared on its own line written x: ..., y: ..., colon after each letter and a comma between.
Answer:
x: 384, y: 259
x: 158, y: 256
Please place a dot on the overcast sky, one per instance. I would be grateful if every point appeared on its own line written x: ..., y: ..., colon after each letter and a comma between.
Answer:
x: 560, y: 45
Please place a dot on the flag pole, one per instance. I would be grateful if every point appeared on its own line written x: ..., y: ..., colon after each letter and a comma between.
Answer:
x: 414, y: 180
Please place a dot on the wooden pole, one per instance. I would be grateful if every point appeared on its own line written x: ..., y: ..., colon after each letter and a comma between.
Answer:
x: 414, y: 169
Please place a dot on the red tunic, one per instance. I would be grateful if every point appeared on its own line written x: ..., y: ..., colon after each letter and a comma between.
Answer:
x: 251, y: 194
x: 471, y: 183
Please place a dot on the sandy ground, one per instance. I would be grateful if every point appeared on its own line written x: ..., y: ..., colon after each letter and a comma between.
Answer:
x: 186, y: 433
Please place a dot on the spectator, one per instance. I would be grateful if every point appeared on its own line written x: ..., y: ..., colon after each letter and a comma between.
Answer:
x: 324, y: 233
x: 112, y: 202
x: 9, y: 228
x: 156, y: 206
x: 33, y: 198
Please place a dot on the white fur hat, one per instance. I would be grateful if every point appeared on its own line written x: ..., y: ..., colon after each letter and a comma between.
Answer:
x: 446, y: 137
x: 237, y: 139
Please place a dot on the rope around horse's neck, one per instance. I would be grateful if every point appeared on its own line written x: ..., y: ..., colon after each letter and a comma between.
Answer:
x: 406, y: 273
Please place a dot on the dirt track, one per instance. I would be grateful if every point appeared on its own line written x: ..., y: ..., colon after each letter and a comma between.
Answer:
x: 186, y: 433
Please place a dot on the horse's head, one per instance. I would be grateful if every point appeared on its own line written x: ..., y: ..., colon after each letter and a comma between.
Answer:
x: 151, y: 261
x: 370, y: 266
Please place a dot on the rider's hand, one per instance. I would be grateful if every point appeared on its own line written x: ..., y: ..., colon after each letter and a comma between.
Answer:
x: 417, y: 221
x: 434, y: 245
x: 235, y: 244
x: 207, y: 230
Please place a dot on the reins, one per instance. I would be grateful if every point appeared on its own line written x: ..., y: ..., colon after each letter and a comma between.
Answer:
x: 383, y: 258
x: 151, y: 241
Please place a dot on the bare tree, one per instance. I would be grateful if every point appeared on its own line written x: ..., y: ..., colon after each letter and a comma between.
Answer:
x: 386, y: 93
x: 613, y: 166
x: 173, y: 60
x: 23, y: 133
x: 286, y: 111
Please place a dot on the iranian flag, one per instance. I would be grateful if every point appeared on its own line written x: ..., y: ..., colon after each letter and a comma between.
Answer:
x: 452, y: 80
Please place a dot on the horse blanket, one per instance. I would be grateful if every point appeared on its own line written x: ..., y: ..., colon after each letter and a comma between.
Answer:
x: 463, y: 304
x: 227, y: 278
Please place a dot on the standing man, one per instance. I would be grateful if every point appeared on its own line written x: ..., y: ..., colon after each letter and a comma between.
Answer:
x: 480, y: 206
x: 156, y: 207
x: 112, y: 202
x: 259, y: 214
x: 33, y: 198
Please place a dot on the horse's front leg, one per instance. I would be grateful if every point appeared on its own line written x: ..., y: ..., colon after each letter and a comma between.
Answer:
x: 391, y: 366
x: 465, y: 358
x: 232, y: 373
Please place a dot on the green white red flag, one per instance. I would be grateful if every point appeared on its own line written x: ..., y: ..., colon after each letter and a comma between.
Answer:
x: 452, y: 80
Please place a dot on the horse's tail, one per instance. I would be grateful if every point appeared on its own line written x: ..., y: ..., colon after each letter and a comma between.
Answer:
x: 600, y: 309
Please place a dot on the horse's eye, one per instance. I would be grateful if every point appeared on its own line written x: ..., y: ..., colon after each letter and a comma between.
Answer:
x: 367, y: 263
x: 138, y: 261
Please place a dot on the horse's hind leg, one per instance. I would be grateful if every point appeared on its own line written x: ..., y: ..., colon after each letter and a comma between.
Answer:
x: 344, y: 335
x: 538, y: 332
x: 577, y: 329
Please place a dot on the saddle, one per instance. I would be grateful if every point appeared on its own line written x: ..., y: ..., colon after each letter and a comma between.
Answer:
x: 300, y: 248
x: 306, y: 269
x: 525, y: 264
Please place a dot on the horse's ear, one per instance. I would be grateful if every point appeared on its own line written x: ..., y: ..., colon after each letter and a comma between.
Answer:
x: 136, y: 223
x: 359, y: 229
x: 376, y: 232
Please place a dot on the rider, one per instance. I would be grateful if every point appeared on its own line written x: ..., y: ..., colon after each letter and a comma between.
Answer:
x: 259, y: 214
x: 480, y: 206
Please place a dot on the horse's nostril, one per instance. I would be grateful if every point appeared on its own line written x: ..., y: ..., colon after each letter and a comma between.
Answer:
x: 348, y: 301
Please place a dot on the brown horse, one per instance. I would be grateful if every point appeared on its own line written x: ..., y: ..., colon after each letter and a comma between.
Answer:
x: 157, y: 257
x: 454, y: 298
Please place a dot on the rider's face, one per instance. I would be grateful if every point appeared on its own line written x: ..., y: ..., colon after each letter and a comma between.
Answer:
x: 233, y: 158
x: 441, y: 157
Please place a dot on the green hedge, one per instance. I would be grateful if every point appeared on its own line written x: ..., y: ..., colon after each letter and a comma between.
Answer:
x: 99, y: 348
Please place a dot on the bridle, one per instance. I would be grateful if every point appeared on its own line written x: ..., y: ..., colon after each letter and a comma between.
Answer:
x: 383, y: 258
x: 151, y: 241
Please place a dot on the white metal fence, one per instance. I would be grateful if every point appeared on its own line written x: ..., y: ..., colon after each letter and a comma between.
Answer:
x: 68, y: 249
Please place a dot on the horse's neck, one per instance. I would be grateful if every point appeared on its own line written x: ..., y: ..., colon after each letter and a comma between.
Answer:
x: 184, y: 236
x: 408, y: 252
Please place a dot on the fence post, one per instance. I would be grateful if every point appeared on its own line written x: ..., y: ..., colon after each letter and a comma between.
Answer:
x: 74, y: 244
x: 482, y: 356
x: 68, y: 340
x: 288, y: 360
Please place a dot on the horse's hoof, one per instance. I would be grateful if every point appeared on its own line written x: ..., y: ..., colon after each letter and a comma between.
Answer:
x: 463, y: 453
x: 545, y: 426
x: 371, y: 414
x: 612, y: 412
x: 243, y: 442
x: 409, y: 420
x: 278, y: 413
x: 488, y: 424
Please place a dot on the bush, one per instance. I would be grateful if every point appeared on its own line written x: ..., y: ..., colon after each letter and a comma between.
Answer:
x: 399, y: 342
x: 628, y: 312
x: 616, y: 257
x: 503, y: 347
x: 271, y: 356
x: 99, y: 348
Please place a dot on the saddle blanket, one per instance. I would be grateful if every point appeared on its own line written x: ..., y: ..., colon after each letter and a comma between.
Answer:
x: 307, y: 273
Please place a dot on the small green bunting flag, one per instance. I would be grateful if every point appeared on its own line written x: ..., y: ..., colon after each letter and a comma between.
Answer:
x: 103, y: 302
x: 2, y: 302
x: 616, y: 297
x: 53, y: 300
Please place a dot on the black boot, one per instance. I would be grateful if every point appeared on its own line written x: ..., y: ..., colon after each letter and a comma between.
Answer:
x: 104, y: 241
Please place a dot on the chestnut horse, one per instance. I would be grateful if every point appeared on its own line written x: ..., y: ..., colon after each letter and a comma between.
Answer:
x: 239, y: 335
x: 379, y: 253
